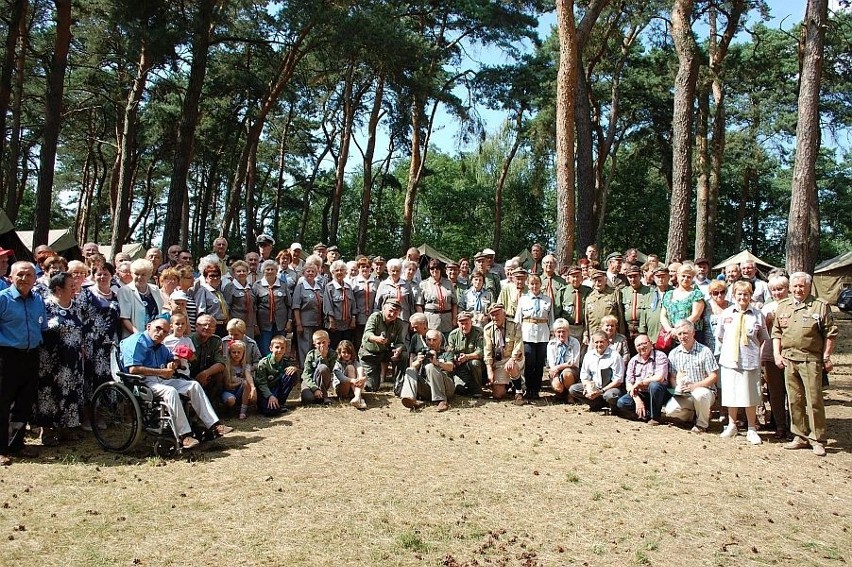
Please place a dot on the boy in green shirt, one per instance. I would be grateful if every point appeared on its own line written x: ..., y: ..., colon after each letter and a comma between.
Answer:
x: 274, y: 378
x: 319, y: 370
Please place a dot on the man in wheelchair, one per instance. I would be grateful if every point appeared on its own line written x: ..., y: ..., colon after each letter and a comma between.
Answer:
x: 144, y: 354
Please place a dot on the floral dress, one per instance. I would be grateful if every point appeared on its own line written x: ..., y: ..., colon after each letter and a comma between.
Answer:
x: 60, y: 387
x: 100, y: 330
x: 680, y: 309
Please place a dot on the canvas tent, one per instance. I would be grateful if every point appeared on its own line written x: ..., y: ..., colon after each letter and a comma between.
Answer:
x: 742, y: 257
x: 135, y: 250
x: 60, y: 240
x: 427, y: 253
x: 10, y: 240
x: 831, y: 276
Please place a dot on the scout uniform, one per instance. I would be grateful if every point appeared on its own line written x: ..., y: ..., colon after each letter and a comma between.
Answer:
x: 372, y: 354
x: 802, y: 329
x: 501, y: 344
x: 551, y: 286
x: 573, y: 305
x: 439, y: 302
x: 633, y: 302
x: 510, y: 295
x: 599, y: 304
x: 467, y: 376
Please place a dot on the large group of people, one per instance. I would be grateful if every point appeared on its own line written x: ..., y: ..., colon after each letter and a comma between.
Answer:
x: 641, y: 340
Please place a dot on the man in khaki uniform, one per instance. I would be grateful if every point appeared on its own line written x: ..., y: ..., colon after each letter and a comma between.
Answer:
x: 551, y: 282
x: 633, y: 302
x: 466, y: 344
x: 803, y: 336
x: 649, y: 317
x: 510, y: 294
x: 504, y: 354
x: 615, y: 279
x: 601, y: 301
x: 573, y: 303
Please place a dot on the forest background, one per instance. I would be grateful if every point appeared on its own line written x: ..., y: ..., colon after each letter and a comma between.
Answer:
x: 319, y: 120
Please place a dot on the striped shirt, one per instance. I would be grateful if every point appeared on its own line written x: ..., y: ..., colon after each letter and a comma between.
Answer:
x: 693, y: 365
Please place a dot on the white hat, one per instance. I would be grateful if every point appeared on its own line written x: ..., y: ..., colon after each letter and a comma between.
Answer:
x: 178, y: 295
x: 489, y: 252
x: 295, y: 246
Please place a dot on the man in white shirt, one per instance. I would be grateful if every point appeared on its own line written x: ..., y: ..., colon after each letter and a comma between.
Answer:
x: 601, y: 375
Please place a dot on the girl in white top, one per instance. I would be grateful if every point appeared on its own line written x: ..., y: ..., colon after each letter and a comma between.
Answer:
x: 535, y: 315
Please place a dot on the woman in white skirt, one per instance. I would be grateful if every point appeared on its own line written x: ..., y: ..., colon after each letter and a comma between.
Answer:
x: 741, y: 331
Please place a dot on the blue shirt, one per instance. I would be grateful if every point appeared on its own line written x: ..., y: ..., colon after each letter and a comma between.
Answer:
x: 22, y: 319
x: 140, y: 350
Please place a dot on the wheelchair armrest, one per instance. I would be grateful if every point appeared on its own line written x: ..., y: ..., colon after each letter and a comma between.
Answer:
x: 130, y: 379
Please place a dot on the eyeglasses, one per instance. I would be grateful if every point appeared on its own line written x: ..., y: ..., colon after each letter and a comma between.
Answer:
x: 640, y: 345
x: 717, y: 293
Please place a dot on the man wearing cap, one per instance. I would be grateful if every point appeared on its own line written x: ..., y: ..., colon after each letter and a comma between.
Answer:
x: 603, y: 300
x: 143, y: 354
x: 492, y: 281
x: 296, y: 261
x: 5, y: 256
x: 22, y: 321
x: 633, y: 302
x: 385, y: 335
x: 614, y: 277
x: 466, y: 344
x: 427, y: 378
x: 649, y: 317
x: 379, y: 268
x: 332, y: 254
x: 264, y: 246
x: 503, y: 354
x: 551, y: 282
x: 510, y: 294
x: 702, y: 279
x: 572, y: 300
x: 494, y: 268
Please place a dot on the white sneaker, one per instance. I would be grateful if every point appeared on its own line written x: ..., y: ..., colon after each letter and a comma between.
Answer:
x: 729, y: 432
x: 753, y: 438
x: 358, y: 403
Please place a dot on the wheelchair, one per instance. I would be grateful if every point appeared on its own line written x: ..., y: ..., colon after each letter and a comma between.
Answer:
x: 125, y: 409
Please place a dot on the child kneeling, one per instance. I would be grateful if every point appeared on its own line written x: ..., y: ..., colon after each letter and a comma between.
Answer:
x: 274, y: 378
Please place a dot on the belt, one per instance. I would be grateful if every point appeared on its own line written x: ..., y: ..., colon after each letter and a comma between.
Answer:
x: 435, y: 310
x: 535, y: 320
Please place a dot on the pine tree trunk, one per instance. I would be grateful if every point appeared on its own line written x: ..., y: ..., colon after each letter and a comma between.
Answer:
x: 682, y: 119
x: 127, y: 159
x: 185, y: 143
x: 52, y: 122
x: 566, y: 81
x: 369, y: 154
x: 803, y: 225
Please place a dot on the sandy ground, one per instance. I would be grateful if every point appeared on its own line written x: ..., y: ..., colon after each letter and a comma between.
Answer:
x: 486, y: 483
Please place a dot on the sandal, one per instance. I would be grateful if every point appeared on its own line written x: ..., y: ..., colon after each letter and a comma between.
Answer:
x: 5, y: 460
x: 243, y: 416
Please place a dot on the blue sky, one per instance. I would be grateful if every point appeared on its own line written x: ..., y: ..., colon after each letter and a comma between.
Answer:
x: 784, y: 13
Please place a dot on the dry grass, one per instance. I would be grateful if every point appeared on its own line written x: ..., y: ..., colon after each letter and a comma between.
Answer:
x: 487, y: 485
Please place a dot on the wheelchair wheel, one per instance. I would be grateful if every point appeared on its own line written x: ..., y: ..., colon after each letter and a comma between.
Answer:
x: 165, y: 447
x: 116, y: 417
